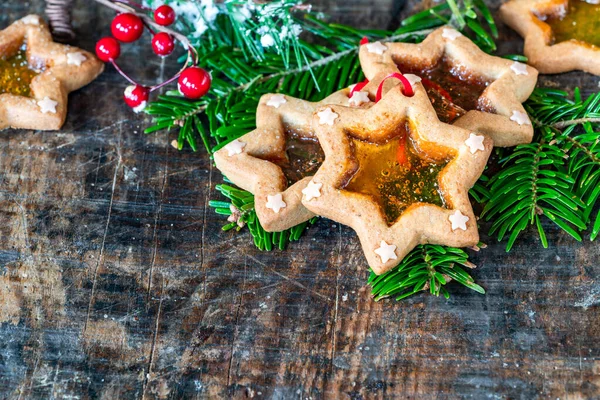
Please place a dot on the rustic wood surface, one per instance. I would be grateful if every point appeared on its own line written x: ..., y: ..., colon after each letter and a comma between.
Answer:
x: 117, y: 283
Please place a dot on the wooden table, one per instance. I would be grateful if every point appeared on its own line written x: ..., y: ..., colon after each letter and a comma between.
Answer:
x: 116, y: 281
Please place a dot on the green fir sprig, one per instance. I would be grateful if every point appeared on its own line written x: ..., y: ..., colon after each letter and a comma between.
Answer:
x: 557, y: 176
x: 241, y: 213
x: 427, y: 267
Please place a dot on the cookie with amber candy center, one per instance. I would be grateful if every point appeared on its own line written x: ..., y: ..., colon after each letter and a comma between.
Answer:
x: 36, y: 75
x: 397, y: 175
x: 466, y: 86
x: 275, y: 161
x: 559, y: 35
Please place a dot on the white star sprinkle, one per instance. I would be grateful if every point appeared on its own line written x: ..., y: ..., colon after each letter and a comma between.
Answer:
x: 475, y: 143
x: 451, y: 34
x: 519, y: 68
x: 275, y: 203
x: 276, y: 100
x: 359, y: 98
x: 520, y: 118
x: 47, y: 105
x: 234, y: 147
x: 459, y: 221
x: 412, y: 78
x: 75, y: 58
x: 386, y: 252
x: 327, y: 117
x: 376, y: 47
x: 312, y: 190
x: 31, y: 20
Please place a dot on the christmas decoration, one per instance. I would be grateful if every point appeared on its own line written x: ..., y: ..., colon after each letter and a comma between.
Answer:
x: 467, y: 87
x: 128, y: 26
x: 163, y: 44
x: 193, y: 82
x: 164, y: 15
x: 394, y: 173
x: 275, y: 161
x: 36, y: 75
x: 560, y: 36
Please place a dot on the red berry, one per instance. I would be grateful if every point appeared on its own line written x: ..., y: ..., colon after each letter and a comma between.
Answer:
x: 136, y: 97
x: 108, y: 49
x: 127, y: 27
x: 163, y: 44
x: 164, y: 15
x: 194, y: 82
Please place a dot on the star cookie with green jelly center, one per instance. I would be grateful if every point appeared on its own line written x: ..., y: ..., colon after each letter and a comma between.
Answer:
x: 559, y: 35
x: 276, y: 161
x: 466, y: 86
x: 397, y: 175
x: 36, y: 75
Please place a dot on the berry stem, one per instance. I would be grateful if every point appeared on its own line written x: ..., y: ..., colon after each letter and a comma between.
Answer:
x: 123, y: 8
x: 152, y: 31
x: 126, y: 6
x: 165, y: 83
x: 134, y: 4
x: 123, y: 74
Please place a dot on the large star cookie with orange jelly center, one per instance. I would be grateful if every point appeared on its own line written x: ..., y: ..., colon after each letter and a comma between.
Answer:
x: 36, y: 75
x: 398, y: 176
x: 276, y: 161
x: 560, y: 35
x: 466, y: 86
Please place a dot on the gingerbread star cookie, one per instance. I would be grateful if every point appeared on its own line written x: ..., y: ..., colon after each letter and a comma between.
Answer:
x: 275, y: 162
x: 466, y: 86
x: 36, y: 75
x: 397, y: 175
x: 560, y: 35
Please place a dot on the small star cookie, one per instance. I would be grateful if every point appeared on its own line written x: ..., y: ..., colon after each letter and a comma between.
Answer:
x: 458, y: 220
x: 359, y: 98
x: 519, y: 68
x: 47, y: 105
x: 520, y: 118
x: 312, y: 190
x: 386, y: 251
x: 276, y: 100
x: 75, y: 58
x: 235, y: 147
x: 451, y: 34
x: 475, y: 143
x: 376, y: 48
x: 327, y: 116
x: 275, y: 202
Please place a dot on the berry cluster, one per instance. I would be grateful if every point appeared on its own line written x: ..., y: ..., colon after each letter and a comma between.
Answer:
x: 128, y: 26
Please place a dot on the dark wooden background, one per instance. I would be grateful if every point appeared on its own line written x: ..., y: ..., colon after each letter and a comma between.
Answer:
x: 117, y: 283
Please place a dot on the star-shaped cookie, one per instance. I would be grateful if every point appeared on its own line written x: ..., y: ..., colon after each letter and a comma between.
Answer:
x: 550, y: 54
x: 275, y: 161
x: 398, y: 176
x: 467, y: 87
x: 59, y: 69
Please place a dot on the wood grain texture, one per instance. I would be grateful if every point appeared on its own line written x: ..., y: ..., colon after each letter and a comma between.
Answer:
x: 117, y: 283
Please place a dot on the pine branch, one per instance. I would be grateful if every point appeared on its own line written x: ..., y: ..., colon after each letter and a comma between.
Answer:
x: 240, y: 211
x: 557, y: 176
x: 426, y: 267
